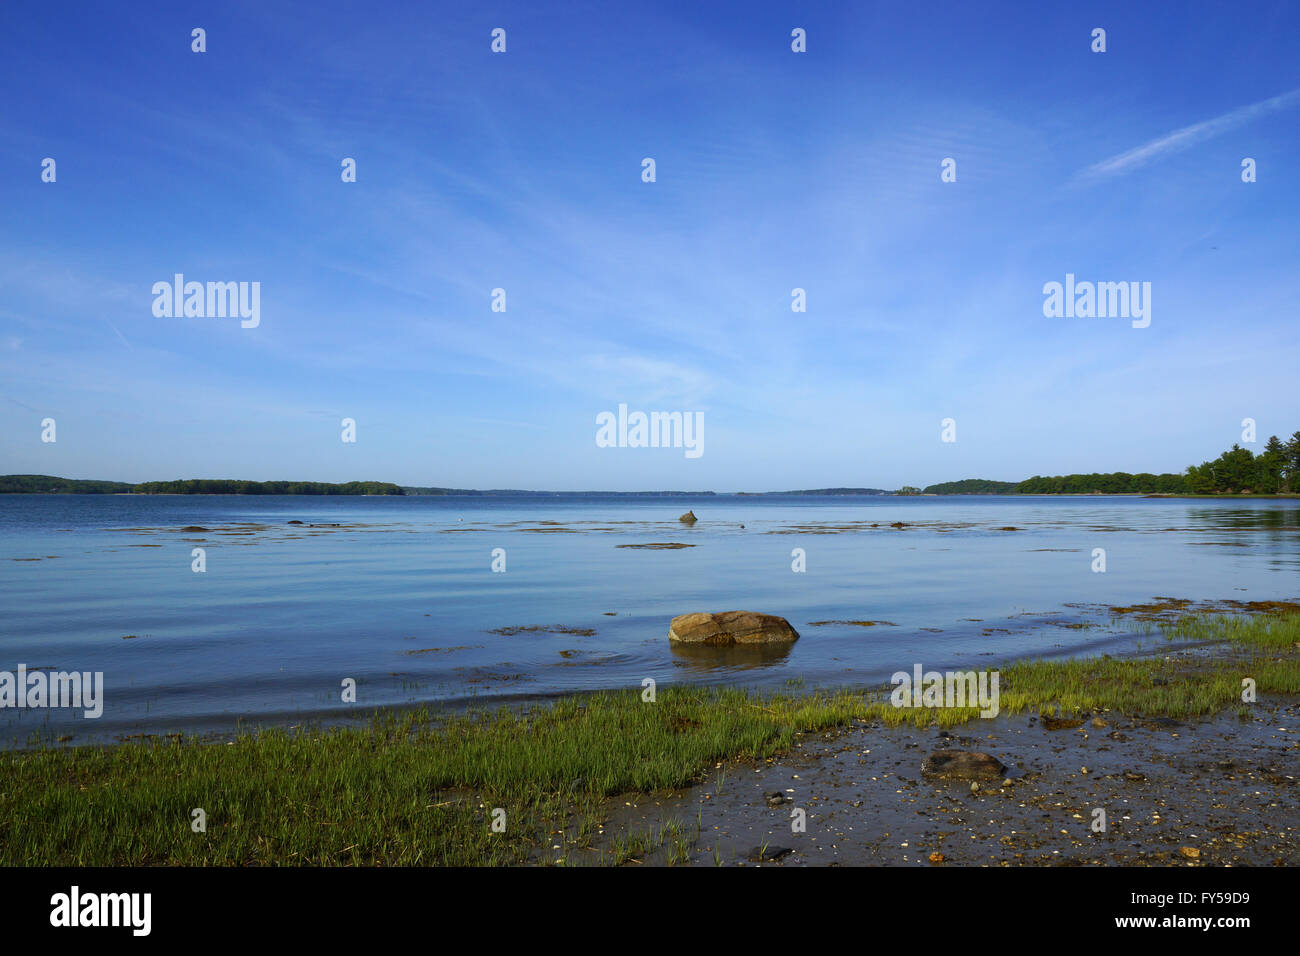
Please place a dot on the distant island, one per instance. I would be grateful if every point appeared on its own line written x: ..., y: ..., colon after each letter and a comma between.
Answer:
x: 51, y: 485
x: 1114, y: 483
x: 47, y: 484
x: 1238, y: 471
x: 504, y: 492
x: 821, y: 491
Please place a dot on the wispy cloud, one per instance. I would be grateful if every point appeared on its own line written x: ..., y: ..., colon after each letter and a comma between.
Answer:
x: 1187, y: 136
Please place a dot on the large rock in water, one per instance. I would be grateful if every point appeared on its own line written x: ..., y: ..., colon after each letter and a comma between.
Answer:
x: 688, y: 518
x: 731, y: 627
x: 963, y: 765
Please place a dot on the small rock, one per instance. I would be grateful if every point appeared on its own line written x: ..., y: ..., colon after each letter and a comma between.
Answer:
x: 937, y: 857
x: 963, y: 765
x: 774, y: 799
x: 1099, y: 723
x: 1060, y: 723
x: 688, y: 518
x: 974, y: 787
x: 769, y: 854
x: 1190, y: 852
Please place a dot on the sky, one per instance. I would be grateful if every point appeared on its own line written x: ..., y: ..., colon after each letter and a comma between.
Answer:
x: 522, y: 170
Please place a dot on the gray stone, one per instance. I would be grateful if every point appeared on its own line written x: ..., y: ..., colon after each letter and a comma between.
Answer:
x: 963, y: 765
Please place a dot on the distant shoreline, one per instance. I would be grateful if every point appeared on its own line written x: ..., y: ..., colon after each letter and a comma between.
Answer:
x: 217, y: 487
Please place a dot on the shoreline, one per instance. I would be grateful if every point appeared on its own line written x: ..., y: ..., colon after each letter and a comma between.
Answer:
x: 1279, y: 496
x: 417, y: 788
x: 1126, y: 630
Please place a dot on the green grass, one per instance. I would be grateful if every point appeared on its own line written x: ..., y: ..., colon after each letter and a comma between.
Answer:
x: 418, y: 788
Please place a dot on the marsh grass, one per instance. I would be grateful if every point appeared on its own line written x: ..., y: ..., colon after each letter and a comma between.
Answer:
x: 419, y: 788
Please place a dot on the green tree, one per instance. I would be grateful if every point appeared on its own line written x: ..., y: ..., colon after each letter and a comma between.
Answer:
x: 1291, y: 469
x: 1200, y: 479
x: 1269, y: 467
x: 1238, y: 470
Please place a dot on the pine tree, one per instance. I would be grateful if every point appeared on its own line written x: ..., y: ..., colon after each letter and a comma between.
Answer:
x: 1269, y: 467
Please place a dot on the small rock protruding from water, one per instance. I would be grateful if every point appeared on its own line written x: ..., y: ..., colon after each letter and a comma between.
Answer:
x: 769, y: 854
x: 775, y: 799
x: 731, y: 627
x: 688, y: 518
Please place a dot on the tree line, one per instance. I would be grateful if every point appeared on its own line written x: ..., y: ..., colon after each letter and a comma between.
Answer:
x: 224, y: 486
x: 1275, y: 470
x: 1113, y: 483
x: 48, y: 484
x: 1238, y: 470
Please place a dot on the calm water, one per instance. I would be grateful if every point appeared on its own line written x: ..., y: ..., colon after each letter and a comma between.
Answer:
x: 402, y: 598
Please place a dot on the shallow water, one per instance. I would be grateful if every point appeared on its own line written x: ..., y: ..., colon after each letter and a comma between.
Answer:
x: 399, y: 593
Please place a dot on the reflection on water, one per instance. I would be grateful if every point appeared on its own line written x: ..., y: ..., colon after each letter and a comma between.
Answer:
x: 1282, y: 516
x: 706, y: 660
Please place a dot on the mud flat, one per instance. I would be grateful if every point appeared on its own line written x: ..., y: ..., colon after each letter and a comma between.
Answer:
x: 1220, y: 791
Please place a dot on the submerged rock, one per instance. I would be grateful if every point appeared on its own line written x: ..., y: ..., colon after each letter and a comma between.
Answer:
x: 657, y: 545
x: 731, y: 627
x: 963, y: 765
x: 688, y: 518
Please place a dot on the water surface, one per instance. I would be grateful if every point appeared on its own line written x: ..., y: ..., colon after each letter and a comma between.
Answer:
x: 398, y: 593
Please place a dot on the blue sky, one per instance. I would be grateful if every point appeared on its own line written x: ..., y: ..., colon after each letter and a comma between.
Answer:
x: 522, y: 171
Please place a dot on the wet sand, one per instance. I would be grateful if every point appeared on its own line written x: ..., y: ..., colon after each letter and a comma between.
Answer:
x: 1217, y: 792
